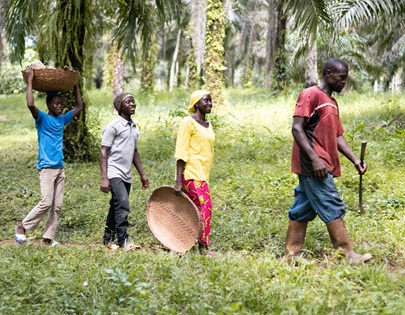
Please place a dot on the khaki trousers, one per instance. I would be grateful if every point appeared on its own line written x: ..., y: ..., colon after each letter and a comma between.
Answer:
x: 52, y: 183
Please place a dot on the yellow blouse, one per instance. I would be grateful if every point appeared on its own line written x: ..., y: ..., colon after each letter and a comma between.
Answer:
x: 195, y: 146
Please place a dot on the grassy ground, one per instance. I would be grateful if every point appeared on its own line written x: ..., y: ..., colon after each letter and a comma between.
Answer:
x: 252, y: 190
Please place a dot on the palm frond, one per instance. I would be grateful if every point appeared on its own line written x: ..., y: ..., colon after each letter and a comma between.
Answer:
x: 168, y: 9
x: 19, y: 21
x: 307, y: 15
x: 355, y: 12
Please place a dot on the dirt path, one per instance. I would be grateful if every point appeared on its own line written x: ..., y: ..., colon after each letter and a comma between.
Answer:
x: 38, y: 242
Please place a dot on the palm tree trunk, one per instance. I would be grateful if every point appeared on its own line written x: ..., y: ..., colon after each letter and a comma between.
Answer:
x: 192, y: 75
x: 198, y: 25
x: 311, y: 66
x: 3, y: 10
x: 174, y: 66
x: 214, y: 62
x: 229, y: 73
x: 2, y: 45
x: 247, y: 72
x: 271, y: 42
x: 77, y: 140
x: 280, y: 68
x: 148, y: 67
x: 118, y: 72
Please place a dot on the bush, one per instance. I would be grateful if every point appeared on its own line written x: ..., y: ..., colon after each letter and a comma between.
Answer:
x: 11, y: 80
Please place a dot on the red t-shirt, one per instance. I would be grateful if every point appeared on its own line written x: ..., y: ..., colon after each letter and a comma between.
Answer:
x: 322, y: 130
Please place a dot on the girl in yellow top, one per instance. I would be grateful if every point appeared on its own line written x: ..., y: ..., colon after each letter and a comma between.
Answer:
x: 194, y: 159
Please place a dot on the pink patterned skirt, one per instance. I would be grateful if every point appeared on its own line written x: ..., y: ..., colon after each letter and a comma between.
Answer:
x: 199, y: 193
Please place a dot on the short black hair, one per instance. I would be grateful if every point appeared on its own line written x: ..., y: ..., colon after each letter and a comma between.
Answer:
x: 50, y: 95
x: 49, y: 98
x: 333, y: 64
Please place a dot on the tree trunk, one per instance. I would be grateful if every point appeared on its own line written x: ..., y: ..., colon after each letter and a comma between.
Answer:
x: 78, y: 143
x: 270, y: 42
x: 198, y: 24
x: 174, y: 66
x: 118, y: 82
x: 148, y: 67
x: 193, y: 77
x: 3, y: 10
x: 311, y: 66
x: 280, y: 66
x: 229, y: 62
x: 397, y: 82
x: 256, y: 69
x: 1, y: 46
x: 214, y: 62
x: 248, y: 62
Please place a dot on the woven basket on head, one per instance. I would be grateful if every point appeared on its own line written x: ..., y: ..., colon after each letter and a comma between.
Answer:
x: 46, y: 80
x: 173, y: 219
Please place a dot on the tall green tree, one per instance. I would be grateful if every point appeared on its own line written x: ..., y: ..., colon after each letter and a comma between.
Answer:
x: 378, y: 26
x: 61, y: 27
x: 66, y: 32
x: 368, y: 33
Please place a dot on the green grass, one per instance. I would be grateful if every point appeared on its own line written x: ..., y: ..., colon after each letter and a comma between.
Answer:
x: 252, y: 190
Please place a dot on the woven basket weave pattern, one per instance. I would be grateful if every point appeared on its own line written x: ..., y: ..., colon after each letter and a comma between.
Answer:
x: 46, y: 80
x: 174, y: 220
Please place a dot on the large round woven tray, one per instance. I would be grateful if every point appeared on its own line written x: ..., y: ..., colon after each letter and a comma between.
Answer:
x: 46, y: 80
x: 173, y: 219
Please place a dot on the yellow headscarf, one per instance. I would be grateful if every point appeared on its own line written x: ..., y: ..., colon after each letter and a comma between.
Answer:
x: 195, y: 97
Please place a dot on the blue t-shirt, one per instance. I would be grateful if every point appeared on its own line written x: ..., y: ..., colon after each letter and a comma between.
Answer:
x: 50, y: 139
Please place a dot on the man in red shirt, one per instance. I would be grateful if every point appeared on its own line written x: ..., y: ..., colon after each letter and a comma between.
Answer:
x: 318, y: 139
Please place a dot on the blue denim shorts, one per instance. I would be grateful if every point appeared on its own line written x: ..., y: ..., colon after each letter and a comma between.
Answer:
x: 314, y: 196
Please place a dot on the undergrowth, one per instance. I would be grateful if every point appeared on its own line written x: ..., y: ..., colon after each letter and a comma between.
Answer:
x: 252, y: 189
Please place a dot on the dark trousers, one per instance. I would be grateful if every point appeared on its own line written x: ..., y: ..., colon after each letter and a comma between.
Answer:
x: 117, y: 218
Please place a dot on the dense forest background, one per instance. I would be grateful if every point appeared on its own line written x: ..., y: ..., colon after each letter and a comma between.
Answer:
x: 151, y: 46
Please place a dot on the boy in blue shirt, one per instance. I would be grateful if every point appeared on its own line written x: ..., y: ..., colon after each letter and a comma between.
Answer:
x: 50, y: 165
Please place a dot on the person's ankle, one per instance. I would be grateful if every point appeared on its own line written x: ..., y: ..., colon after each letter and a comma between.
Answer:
x: 46, y: 241
x: 20, y: 229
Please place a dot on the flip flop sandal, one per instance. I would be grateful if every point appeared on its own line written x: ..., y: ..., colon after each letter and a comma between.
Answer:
x: 113, y: 247
x: 52, y: 243
x: 129, y: 247
x: 21, y: 239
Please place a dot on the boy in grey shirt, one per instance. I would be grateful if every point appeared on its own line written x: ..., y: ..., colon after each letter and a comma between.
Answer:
x: 119, y: 150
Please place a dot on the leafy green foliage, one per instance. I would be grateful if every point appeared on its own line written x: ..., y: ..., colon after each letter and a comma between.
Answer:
x: 10, y: 75
x: 252, y: 189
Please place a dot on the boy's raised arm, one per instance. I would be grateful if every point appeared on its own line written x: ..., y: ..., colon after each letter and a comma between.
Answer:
x: 78, y: 101
x: 30, y: 94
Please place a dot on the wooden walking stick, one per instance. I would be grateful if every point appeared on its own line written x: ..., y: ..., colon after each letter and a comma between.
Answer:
x: 363, y: 152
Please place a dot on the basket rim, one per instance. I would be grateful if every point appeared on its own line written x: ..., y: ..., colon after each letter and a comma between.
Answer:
x: 153, y: 228
x: 60, y: 70
x: 52, y: 69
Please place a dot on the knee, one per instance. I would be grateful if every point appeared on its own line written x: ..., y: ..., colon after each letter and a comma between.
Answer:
x: 45, y: 204
x: 332, y: 216
x: 299, y: 217
x: 123, y: 203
